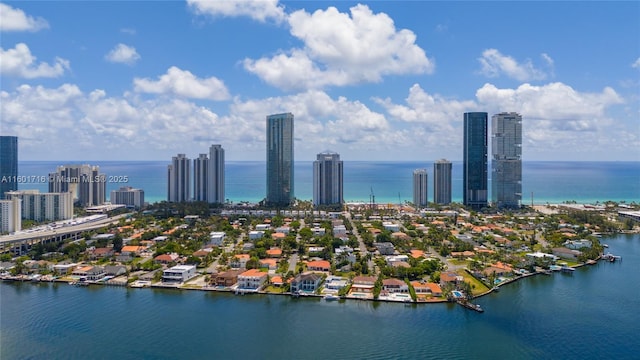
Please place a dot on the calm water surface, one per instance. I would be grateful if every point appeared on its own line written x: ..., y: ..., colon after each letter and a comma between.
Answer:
x: 592, y: 314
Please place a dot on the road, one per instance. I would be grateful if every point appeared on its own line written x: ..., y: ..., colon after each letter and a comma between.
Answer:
x: 361, y: 245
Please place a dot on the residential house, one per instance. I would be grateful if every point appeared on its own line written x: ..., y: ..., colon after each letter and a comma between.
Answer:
x: 115, y: 270
x: 306, y: 282
x: 335, y: 283
x: 385, y: 248
x: 566, y: 253
x: 427, y: 288
x: 100, y: 253
x: 363, y: 284
x: 90, y: 273
x: 391, y: 226
x: 166, y: 258
x: 226, y: 279
x: 179, y: 273
x: 450, y: 277
x: 395, y: 286
x: 339, y: 230
x: 239, y: 261
x: 216, y: 238
x: 271, y: 264
x: 252, y: 279
x: 64, y: 269
x: 256, y: 234
x: 319, y: 265
x: 274, y: 253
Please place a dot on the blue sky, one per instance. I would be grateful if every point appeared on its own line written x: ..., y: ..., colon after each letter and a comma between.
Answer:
x: 380, y: 80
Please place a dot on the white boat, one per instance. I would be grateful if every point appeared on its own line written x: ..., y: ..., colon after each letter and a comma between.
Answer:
x: 331, y: 297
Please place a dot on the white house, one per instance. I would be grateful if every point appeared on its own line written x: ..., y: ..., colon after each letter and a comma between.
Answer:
x: 179, y: 273
x: 216, y: 238
x: 252, y: 279
x: 256, y: 234
x: 391, y: 226
x: 339, y: 230
x: 263, y: 227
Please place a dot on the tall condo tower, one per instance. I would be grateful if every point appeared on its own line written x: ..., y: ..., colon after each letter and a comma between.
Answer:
x: 178, y: 179
x: 85, y: 182
x: 215, y: 186
x: 506, y: 164
x: 420, y: 189
x: 442, y: 182
x: 200, y: 177
x: 474, y: 177
x: 327, y: 179
x: 280, y: 159
x: 8, y: 164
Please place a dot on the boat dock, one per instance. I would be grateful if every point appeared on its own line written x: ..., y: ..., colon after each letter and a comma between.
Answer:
x: 470, y: 306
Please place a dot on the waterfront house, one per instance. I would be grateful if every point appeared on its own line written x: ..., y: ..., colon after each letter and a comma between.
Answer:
x: 566, y: 253
x: 307, y: 282
x: 450, y: 277
x: 363, y: 284
x: 577, y: 244
x: 100, y: 253
x: 179, y: 273
x: 115, y: 270
x: 393, y: 285
x: 64, y: 268
x: 319, y: 265
x: 335, y: 283
x: 252, y: 279
x: 239, y: 261
x: 276, y: 280
x: 90, y: 273
x: 226, y: 279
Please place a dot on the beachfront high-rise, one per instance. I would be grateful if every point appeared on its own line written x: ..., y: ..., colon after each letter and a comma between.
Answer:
x: 128, y: 196
x: 200, y: 177
x: 420, y: 189
x: 442, y: 182
x: 85, y: 182
x: 280, y: 159
x: 40, y: 207
x: 328, y: 179
x: 10, y: 215
x: 474, y: 167
x: 178, y: 176
x: 8, y: 164
x: 506, y: 164
x: 215, y: 177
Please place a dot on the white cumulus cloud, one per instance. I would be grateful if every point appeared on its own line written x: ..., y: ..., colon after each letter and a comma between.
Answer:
x: 183, y: 83
x: 12, y: 19
x: 21, y: 63
x: 123, y: 54
x: 342, y: 49
x: 261, y: 10
x: 493, y: 64
x: 636, y: 64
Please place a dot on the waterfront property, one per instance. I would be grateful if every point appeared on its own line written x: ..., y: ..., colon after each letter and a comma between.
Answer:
x: 178, y: 274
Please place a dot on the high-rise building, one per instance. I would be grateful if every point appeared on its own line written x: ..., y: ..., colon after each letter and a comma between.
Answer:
x: 474, y: 177
x: 8, y: 164
x: 506, y: 164
x: 10, y: 215
x: 420, y: 189
x: 327, y: 179
x: 200, y: 178
x: 215, y: 177
x: 179, y: 188
x: 85, y: 182
x: 128, y: 196
x: 442, y: 182
x: 41, y: 207
x: 280, y: 159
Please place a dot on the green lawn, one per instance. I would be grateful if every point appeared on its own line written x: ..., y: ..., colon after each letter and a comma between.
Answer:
x: 477, y: 286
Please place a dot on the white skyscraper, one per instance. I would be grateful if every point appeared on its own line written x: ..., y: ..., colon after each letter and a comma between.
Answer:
x: 85, y: 182
x: 10, y: 215
x: 178, y: 179
x: 200, y: 178
x: 420, y: 189
x: 215, y: 176
x: 327, y: 179
x: 506, y: 165
x: 41, y: 207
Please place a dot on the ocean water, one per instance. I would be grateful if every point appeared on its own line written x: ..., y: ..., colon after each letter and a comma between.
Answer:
x: 590, y: 314
x: 389, y: 182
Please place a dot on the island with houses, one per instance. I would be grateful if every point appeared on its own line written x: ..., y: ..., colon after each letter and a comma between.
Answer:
x: 390, y: 253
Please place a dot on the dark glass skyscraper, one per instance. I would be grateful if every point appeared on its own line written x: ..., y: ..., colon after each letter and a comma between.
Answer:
x: 506, y: 163
x: 474, y: 178
x: 442, y: 182
x: 8, y: 164
x: 280, y: 159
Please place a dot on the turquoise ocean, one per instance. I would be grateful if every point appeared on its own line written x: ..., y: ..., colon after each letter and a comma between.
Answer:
x: 389, y: 182
x: 591, y: 314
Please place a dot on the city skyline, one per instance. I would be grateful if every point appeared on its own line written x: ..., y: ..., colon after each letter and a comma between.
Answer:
x: 133, y: 87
